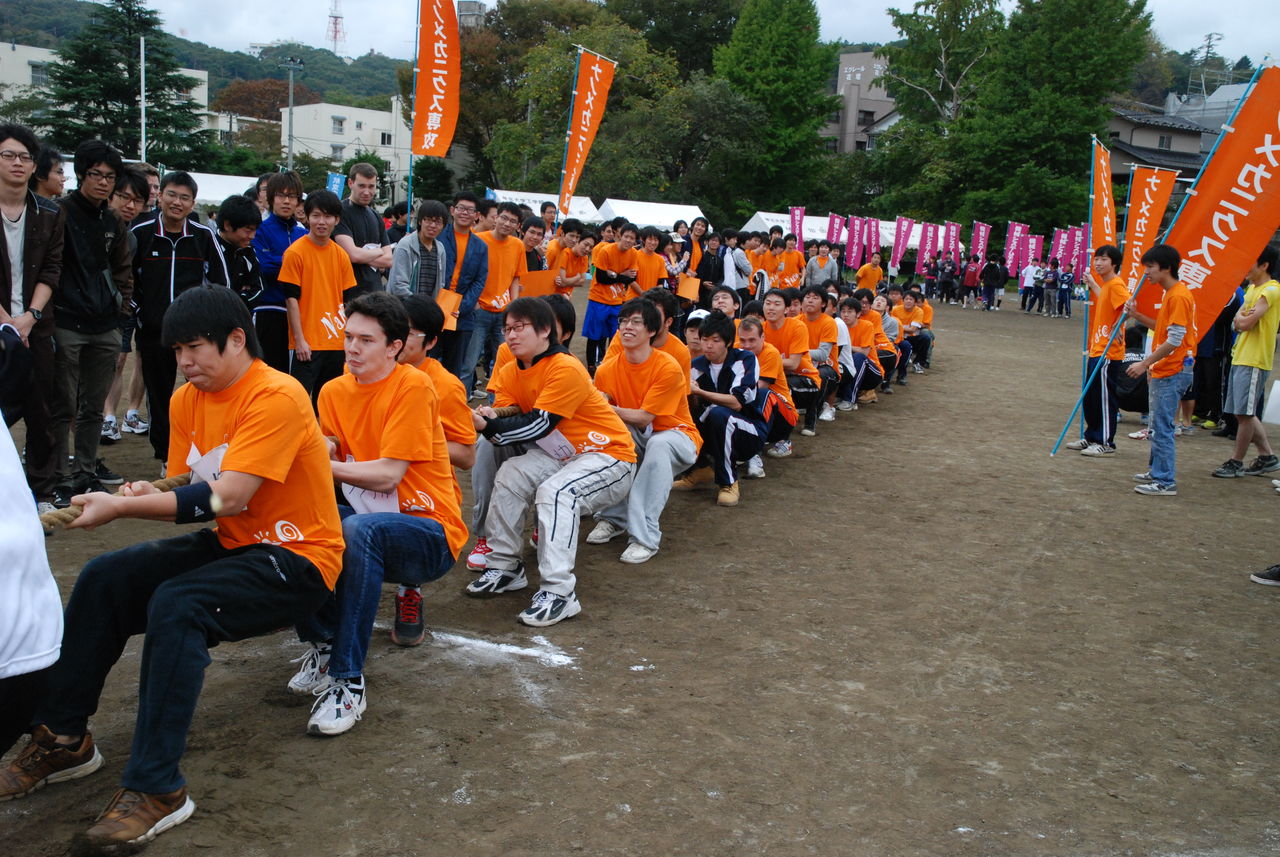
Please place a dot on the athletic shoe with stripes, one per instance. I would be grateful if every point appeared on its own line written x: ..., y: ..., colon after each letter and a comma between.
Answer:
x: 496, y: 581
x: 548, y: 608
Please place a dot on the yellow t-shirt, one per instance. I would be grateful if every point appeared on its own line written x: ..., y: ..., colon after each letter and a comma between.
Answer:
x: 1257, y: 347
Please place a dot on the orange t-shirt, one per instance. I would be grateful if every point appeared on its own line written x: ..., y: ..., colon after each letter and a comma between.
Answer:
x: 608, y: 257
x: 863, y: 335
x: 502, y: 358
x: 1107, y: 308
x: 904, y: 318
x: 769, y: 365
x: 461, y: 238
x: 822, y: 329
x: 506, y: 263
x: 571, y: 265
x: 554, y: 249
x: 672, y: 346
x: 658, y: 385
x: 792, y: 338
x: 322, y: 274
x: 558, y: 383
x: 927, y: 309
x: 883, y: 342
x: 265, y: 423
x: 398, y: 417
x: 650, y: 268
x: 455, y: 413
x: 792, y: 267
x: 1178, y: 307
x: 869, y: 276
x: 695, y: 254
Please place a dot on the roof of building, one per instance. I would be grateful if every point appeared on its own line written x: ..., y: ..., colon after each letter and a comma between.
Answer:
x: 1188, y: 163
x: 1160, y: 120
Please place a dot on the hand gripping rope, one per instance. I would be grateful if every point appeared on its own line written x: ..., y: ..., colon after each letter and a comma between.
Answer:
x: 57, y: 520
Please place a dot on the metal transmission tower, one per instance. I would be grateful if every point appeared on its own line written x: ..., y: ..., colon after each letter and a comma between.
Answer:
x: 337, y: 34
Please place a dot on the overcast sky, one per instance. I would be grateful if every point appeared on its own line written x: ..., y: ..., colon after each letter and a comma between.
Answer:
x: 1181, y: 24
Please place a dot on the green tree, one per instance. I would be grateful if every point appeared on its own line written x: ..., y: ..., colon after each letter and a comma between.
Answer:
x: 94, y: 86
x: 689, y: 29
x: 313, y: 170
x: 1153, y: 75
x: 432, y: 179
x: 21, y: 104
x: 775, y: 60
x: 934, y: 74
x: 1023, y: 153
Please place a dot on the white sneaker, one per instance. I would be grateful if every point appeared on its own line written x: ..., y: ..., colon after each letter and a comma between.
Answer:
x: 844, y: 405
x: 1143, y: 478
x: 110, y: 431
x: 1077, y: 445
x: 917, y: 368
x: 828, y: 414
x: 755, y: 467
x: 548, y: 608
x: 637, y: 553
x: 1096, y: 450
x: 1140, y: 434
x: 313, y: 675
x: 604, y: 531
x: 807, y: 432
x: 338, y: 708
x: 135, y: 424
x: 780, y: 449
x: 496, y: 581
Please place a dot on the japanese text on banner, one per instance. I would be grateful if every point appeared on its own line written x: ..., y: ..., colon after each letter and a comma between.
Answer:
x: 435, y: 97
x: 591, y: 92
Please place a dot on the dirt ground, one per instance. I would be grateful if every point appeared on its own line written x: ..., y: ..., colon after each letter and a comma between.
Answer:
x: 920, y: 635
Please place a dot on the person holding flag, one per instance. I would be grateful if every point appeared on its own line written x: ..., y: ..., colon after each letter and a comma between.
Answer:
x: 1100, y: 403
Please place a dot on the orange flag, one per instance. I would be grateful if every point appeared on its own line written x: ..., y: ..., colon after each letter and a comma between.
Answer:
x: 1234, y: 207
x: 1149, y: 192
x: 435, y: 95
x: 591, y: 85
x: 1102, y: 203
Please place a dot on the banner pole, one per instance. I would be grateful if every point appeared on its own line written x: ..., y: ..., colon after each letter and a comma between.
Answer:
x: 568, y: 131
x: 413, y: 103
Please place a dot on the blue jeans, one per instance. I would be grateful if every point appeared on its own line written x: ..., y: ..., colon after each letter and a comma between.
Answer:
x: 488, y: 330
x: 380, y: 546
x: 1163, y: 397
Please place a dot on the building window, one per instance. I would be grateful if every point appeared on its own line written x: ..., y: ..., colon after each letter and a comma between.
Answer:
x: 834, y: 118
x: 338, y: 149
x: 866, y: 117
x: 386, y: 138
x: 338, y: 123
x: 1166, y: 142
x: 831, y: 144
x: 859, y: 146
x: 1114, y: 135
x: 39, y: 74
x: 359, y: 125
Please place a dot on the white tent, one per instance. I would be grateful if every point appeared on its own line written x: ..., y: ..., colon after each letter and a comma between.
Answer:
x: 580, y: 207
x: 660, y: 214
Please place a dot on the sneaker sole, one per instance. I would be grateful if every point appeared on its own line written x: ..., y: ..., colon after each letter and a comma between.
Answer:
x: 63, y: 776
x: 1235, y: 474
x: 1263, y: 580
x: 137, y: 431
x: 592, y: 539
x: 474, y: 566
x: 1261, y: 472
x: 514, y: 586
x: 345, y: 726
x: 571, y: 609
x: 169, y: 822
x: 410, y: 642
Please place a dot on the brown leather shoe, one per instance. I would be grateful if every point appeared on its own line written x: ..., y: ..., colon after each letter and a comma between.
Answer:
x: 694, y: 478
x: 134, y: 818
x: 42, y: 762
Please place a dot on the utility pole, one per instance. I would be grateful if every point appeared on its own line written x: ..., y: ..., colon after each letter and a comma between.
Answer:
x: 292, y: 64
x: 142, y: 103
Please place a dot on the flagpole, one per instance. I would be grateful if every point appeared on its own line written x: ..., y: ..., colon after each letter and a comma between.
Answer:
x: 1191, y: 192
x: 568, y: 131
x: 413, y: 100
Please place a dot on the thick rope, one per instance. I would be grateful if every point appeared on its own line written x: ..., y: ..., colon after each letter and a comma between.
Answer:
x: 53, y: 521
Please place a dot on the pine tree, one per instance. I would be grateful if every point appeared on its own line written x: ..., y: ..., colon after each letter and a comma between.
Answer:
x: 94, y: 86
x: 776, y: 60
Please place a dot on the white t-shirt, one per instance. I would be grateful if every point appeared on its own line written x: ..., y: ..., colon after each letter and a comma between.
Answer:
x: 30, y: 607
x: 13, y: 236
x: 1029, y: 276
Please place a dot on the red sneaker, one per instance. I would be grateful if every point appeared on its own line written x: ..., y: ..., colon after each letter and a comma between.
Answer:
x: 479, y: 554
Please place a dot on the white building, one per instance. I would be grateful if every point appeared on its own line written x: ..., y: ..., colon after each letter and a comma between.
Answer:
x: 25, y: 67
x: 336, y: 132
x: 863, y: 101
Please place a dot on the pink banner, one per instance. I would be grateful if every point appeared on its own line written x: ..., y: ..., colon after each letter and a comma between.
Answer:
x: 901, y: 237
x: 1058, y: 249
x: 871, y: 237
x: 1015, y: 247
x: 797, y: 223
x: 834, y: 223
x: 1072, y: 249
x: 1037, y: 246
x: 1082, y: 249
x: 853, y: 250
x: 951, y: 240
x: 979, y: 240
x: 928, y: 245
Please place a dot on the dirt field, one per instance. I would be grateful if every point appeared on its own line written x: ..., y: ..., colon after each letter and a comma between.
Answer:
x: 920, y: 635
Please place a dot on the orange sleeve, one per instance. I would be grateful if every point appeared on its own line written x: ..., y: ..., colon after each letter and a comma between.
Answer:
x: 259, y: 447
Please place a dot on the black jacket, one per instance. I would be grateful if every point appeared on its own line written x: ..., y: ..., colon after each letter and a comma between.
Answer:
x: 95, y: 290
x: 164, y: 268
x: 42, y: 237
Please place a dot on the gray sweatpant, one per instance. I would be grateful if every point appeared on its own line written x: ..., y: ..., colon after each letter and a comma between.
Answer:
x: 561, y: 492
x: 663, y: 456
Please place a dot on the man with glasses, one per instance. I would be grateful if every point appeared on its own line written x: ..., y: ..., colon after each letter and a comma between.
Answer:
x: 278, y: 231
x: 94, y: 294
x: 30, y: 266
x: 174, y: 253
x: 128, y: 201
x: 470, y: 260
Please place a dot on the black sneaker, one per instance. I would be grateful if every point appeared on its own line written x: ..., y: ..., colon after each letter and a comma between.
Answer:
x: 408, y: 629
x: 1224, y: 432
x: 1262, y: 464
x: 62, y: 495
x: 548, y: 608
x: 1270, y: 577
x: 1230, y: 469
x: 106, y: 475
x: 496, y: 581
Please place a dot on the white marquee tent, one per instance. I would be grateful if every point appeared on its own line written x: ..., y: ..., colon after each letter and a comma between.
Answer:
x: 580, y: 207
x: 660, y: 214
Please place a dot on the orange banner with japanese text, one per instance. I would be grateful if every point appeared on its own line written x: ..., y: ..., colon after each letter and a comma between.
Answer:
x: 1234, y: 208
x: 439, y: 79
x: 1102, y: 203
x: 1149, y: 192
x: 590, y: 92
